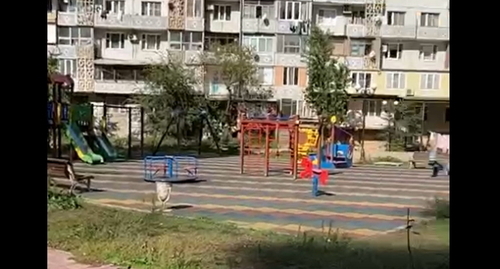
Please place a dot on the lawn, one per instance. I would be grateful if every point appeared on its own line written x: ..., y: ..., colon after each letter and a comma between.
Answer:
x: 97, y: 234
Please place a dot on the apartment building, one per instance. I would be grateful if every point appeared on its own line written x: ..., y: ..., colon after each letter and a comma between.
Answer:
x: 396, y: 49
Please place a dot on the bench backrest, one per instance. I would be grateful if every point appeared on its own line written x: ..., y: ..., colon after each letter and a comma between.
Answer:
x: 59, y: 167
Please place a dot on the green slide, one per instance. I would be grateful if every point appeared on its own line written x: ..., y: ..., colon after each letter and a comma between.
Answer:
x: 104, y: 147
x: 81, y: 147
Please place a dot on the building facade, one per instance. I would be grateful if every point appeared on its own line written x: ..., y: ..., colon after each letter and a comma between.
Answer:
x: 398, y: 49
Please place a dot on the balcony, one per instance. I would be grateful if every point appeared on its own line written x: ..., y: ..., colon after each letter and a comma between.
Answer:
x: 265, y: 58
x: 187, y: 57
x: 220, y: 26
x: 336, y: 28
x: 194, y: 24
x: 433, y: 33
x: 398, y: 31
x: 355, y: 30
x: 129, y: 21
x: 284, y: 59
x: 360, y: 63
x: 118, y: 87
x: 51, y: 17
x: 259, y: 26
x: 66, y: 19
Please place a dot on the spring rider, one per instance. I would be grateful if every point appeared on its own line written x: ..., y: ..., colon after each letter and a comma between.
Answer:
x: 318, y: 176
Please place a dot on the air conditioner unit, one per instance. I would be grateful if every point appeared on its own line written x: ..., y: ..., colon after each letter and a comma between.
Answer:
x: 410, y: 92
x: 210, y: 7
x: 346, y: 9
x: 384, y: 48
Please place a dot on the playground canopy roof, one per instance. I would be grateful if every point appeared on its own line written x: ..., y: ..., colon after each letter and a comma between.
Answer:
x: 65, y: 80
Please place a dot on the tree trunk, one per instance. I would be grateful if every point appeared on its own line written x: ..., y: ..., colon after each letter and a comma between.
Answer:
x: 319, y: 150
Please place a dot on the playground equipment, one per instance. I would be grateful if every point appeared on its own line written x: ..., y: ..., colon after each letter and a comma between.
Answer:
x: 81, y: 120
x: 166, y: 170
x: 317, y: 176
x: 337, y: 152
x: 310, y: 142
x: 58, y: 109
x: 257, y: 135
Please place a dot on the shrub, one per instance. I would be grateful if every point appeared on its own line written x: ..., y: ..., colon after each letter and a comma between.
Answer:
x: 438, y: 208
x: 61, y: 200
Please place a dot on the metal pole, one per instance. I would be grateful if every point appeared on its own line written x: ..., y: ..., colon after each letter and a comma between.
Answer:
x: 129, y: 133
x: 267, y: 150
x: 142, y: 132
x: 422, y: 114
x: 363, y: 155
x: 242, y: 146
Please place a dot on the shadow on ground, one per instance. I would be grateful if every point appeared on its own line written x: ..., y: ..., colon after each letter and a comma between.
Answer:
x: 311, y: 254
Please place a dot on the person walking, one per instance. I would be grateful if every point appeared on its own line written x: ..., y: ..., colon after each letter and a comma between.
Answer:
x: 433, y: 162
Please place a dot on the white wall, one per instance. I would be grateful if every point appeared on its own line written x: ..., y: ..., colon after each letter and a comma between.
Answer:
x: 412, y: 8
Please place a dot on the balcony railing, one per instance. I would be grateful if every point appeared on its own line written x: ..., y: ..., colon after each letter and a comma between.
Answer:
x: 129, y: 21
x: 398, y: 31
x: 433, y: 33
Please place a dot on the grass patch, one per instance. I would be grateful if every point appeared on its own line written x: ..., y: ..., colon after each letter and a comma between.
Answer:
x: 154, y: 241
x: 60, y: 199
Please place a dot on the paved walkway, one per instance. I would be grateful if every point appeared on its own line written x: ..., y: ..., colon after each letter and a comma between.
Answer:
x: 57, y: 259
x: 364, y: 201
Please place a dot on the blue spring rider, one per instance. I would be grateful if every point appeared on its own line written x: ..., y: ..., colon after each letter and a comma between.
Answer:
x: 166, y: 170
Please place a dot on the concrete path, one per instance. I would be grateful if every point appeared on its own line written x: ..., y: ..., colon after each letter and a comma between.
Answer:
x: 57, y: 259
x: 363, y: 201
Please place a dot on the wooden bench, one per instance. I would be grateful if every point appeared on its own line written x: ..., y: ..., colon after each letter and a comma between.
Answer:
x: 62, y: 168
x: 420, y: 159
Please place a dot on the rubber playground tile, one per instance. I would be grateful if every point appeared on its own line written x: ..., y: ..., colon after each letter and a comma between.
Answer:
x: 252, y: 216
x: 193, y: 188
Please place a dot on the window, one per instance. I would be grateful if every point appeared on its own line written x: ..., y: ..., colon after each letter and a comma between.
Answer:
x: 359, y: 48
x: 357, y: 17
x: 265, y: 75
x: 290, y: 10
x: 327, y: 16
x: 115, y: 6
x: 67, y: 67
x: 428, y: 52
x: 447, y: 115
x: 256, y: 11
x: 259, y: 43
x: 123, y: 73
x: 290, y: 76
x: 429, y: 19
x: 394, y: 51
x: 150, y: 42
x: 74, y: 35
x: 151, y: 9
x: 396, y: 81
x: 396, y: 18
x: 221, y: 39
x: 290, y: 44
x: 429, y: 81
x: 364, y: 80
x: 222, y: 13
x: 374, y: 107
x: 194, y: 9
x: 288, y: 107
x: 115, y: 40
x: 185, y: 40
x: 69, y: 6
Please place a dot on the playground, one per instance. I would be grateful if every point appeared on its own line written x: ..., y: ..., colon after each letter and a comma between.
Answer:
x: 286, y: 178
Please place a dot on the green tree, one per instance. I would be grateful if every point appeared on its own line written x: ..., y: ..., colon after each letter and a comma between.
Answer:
x: 237, y: 68
x: 328, y: 80
x: 404, y: 125
x: 170, y: 101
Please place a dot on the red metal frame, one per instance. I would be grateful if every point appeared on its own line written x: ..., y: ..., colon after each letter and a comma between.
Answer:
x: 252, y: 130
